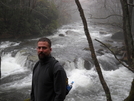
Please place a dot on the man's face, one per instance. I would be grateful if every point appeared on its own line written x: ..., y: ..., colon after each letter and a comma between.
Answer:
x: 43, y: 49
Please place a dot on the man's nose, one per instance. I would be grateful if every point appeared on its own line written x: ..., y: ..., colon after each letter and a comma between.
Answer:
x: 41, y: 49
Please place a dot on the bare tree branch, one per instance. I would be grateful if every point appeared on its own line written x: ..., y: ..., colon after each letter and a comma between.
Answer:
x: 89, y: 39
x: 131, y: 5
x: 4, y: 4
x: 106, y: 16
x: 26, y: 7
x: 115, y: 56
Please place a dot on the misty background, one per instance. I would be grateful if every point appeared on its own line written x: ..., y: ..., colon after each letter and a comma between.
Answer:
x: 29, y: 18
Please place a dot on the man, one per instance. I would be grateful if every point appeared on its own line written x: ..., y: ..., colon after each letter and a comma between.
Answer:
x: 45, y: 87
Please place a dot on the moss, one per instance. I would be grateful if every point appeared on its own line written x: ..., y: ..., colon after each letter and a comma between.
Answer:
x: 27, y: 99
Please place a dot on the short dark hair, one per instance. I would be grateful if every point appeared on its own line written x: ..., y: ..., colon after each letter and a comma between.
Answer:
x: 45, y: 40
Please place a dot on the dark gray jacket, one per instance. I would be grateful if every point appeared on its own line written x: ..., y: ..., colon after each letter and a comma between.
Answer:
x: 45, y: 88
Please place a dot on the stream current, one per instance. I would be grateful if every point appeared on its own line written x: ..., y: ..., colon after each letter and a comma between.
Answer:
x: 70, y: 47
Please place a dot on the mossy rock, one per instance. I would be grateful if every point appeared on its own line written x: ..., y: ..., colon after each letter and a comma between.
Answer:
x: 27, y: 99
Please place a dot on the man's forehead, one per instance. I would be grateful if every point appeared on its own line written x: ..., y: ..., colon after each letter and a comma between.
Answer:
x: 43, y: 42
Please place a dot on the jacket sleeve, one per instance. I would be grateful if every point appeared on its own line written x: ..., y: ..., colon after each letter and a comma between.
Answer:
x: 59, y: 82
x: 32, y: 88
x: 32, y: 93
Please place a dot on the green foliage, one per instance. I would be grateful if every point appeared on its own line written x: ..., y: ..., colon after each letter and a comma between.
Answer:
x: 23, y: 17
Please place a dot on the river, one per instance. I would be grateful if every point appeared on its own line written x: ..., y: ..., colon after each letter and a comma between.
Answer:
x: 70, y: 47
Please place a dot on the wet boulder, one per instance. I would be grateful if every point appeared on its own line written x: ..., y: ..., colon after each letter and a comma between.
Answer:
x: 87, y: 65
x: 71, y: 32
x: 62, y: 35
x: 118, y: 35
x: 103, y: 33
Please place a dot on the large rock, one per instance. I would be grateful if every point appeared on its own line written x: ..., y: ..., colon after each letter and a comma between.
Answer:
x: 62, y: 35
x: 71, y: 32
x: 27, y: 57
x: 118, y: 35
x: 87, y: 65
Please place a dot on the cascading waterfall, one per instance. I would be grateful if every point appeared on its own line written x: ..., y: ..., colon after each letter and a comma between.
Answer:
x: 70, y: 50
x: 21, y: 59
x: 8, y: 62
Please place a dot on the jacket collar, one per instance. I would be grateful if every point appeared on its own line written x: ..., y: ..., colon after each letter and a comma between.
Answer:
x: 45, y: 60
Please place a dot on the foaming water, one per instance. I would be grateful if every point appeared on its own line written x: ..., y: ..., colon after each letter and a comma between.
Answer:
x: 21, y: 59
x: 8, y: 44
x: 70, y: 49
x: 10, y: 66
x: 86, y: 86
x: 86, y: 82
x: 17, y: 75
x: 119, y: 82
x: 17, y: 84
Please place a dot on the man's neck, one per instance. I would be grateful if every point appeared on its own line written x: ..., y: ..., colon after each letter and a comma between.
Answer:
x: 45, y: 59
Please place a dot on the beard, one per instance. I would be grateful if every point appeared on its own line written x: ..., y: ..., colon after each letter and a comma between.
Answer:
x: 43, y: 56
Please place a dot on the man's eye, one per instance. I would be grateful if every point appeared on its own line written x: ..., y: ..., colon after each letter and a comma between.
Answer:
x: 42, y: 47
x: 39, y: 47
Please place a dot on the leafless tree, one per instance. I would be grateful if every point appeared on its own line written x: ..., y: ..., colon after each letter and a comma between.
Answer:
x: 105, y: 87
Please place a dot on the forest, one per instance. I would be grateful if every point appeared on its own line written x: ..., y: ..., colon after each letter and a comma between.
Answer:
x: 26, y: 18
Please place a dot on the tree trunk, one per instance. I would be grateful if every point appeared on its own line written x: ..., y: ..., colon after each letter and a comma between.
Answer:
x: 105, y: 87
x: 131, y: 94
x: 128, y: 41
x: 0, y: 66
x: 127, y: 33
x: 131, y: 11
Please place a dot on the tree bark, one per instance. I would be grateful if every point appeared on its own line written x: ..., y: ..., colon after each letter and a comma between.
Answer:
x: 131, y: 11
x: 127, y: 33
x: 116, y: 57
x: 105, y: 87
x: 0, y: 66
x: 131, y: 94
x: 128, y: 41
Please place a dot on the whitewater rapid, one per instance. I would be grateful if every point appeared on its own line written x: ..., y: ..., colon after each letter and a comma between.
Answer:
x: 71, y: 46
